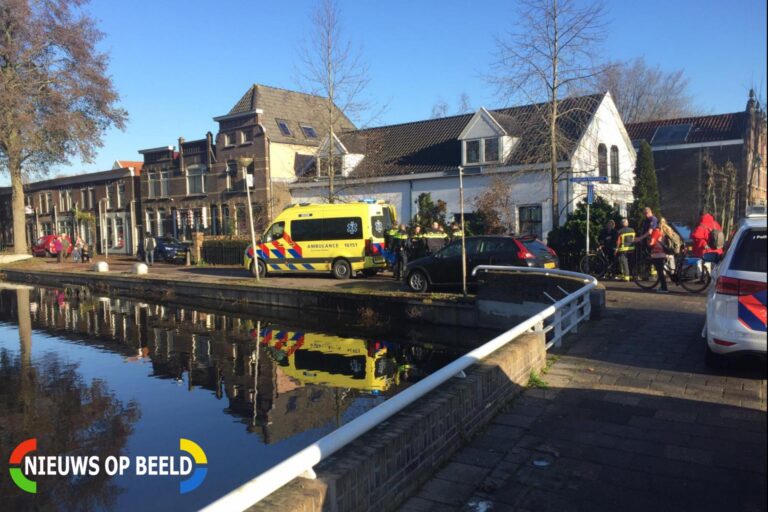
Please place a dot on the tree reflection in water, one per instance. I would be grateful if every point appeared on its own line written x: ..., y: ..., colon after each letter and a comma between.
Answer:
x: 48, y: 399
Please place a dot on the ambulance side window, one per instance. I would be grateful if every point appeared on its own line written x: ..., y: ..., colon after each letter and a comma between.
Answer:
x: 275, y: 232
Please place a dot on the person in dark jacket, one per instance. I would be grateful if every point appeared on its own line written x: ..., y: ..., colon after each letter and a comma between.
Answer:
x: 399, y: 244
x: 417, y: 246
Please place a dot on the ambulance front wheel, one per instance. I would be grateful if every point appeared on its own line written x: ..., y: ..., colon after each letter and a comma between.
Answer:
x: 341, y: 269
x: 262, y: 269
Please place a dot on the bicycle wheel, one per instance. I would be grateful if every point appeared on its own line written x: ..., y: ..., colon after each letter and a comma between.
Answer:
x: 645, y: 276
x: 593, y: 265
x: 692, y: 282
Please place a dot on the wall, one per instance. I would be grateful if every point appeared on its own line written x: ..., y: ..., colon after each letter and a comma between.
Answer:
x: 383, y: 467
x: 606, y: 128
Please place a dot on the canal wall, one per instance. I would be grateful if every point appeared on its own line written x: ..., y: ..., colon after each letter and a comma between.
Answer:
x: 354, y: 308
x: 380, y: 469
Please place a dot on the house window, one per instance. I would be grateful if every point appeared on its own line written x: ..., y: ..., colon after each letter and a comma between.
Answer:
x: 165, y: 179
x: 473, y: 151
x: 246, y: 136
x: 322, y: 166
x: 83, y: 199
x: 228, y: 140
x: 196, y: 179
x: 491, y: 150
x: 481, y: 151
x: 120, y: 194
x: 230, y: 173
x: 284, y: 129
x: 112, y: 196
x: 49, y: 202
x: 530, y: 220
x: 309, y: 132
x: 602, y: 160
x: 615, y: 165
x: 62, y: 207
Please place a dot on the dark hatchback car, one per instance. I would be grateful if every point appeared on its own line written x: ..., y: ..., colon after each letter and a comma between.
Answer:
x: 168, y: 249
x: 443, y: 269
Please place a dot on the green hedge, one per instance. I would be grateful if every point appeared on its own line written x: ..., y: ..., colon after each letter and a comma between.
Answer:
x: 223, y: 252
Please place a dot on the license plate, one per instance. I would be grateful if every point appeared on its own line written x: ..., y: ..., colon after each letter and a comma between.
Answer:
x: 549, y: 265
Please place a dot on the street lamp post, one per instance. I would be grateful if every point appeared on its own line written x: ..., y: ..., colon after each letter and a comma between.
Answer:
x: 244, y: 163
x: 463, y: 233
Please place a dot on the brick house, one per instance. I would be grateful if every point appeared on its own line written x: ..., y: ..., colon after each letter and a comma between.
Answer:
x: 685, y: 148
x: 399, y: 162
x: 199, y: 186
x: 110, y: 197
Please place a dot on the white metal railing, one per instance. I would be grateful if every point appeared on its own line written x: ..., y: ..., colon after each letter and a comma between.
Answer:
x: 567, y: 312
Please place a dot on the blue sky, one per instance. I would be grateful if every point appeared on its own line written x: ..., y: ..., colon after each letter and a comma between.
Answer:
x: 176, y: 64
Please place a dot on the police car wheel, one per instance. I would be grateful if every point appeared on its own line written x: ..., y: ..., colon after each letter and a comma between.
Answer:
x: 341, y: 269
x: 417, y: 281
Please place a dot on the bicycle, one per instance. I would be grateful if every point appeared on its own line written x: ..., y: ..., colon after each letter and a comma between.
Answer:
x: 688, y: 272
x: 599, y: 264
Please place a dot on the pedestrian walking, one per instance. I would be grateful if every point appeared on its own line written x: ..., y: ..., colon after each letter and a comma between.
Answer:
x: 149, y: 249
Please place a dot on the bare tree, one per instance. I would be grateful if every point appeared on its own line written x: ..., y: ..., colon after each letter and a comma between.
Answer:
x: 720, y: 190
x: 439, y: 109
x: 331, y: 69
x: 56, y: 98
x: 645, y: 93
x: 549, y: 55
x: 493, y: 205
x: 464, y: 105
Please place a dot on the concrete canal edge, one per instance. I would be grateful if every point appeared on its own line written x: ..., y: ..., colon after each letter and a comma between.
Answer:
x: 383, y: 467
x: 239, y: 298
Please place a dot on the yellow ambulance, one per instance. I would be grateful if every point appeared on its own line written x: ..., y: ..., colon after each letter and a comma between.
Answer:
x: 342, y: 238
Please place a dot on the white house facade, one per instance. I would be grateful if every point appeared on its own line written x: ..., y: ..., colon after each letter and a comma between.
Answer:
x: 398, y: 163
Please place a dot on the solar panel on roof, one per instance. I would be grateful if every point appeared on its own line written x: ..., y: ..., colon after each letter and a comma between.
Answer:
x: 673, y: 134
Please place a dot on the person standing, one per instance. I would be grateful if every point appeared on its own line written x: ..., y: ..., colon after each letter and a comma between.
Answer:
x: 149, y: 249
x: 399, y: 242
x: 436, y: 238
x: 416, y: 244
x: 77, y: 252
x: 624, y: 249
x: 58, y: 245
x: 456, y: 232
x: 658, y: 256
x: 609, y: 239
x: 705, y: 236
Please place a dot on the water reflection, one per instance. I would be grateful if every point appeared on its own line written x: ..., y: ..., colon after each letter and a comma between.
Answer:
x: 297, y: 380
x: 50, y: 401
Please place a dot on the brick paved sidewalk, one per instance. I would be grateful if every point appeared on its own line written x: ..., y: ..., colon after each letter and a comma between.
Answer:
x: 631, y: 420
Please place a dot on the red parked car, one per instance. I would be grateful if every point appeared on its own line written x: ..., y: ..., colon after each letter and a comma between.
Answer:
x: 44, y: 246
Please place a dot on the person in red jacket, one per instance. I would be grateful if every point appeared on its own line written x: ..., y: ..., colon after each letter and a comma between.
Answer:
x: 700, y: 235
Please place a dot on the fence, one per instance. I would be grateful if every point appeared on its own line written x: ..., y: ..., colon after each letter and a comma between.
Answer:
x: 223, y: 252
x: 560, y: 317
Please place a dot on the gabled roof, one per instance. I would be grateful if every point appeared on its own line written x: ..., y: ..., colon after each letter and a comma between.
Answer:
x: 433, y: 145
x: 295, y: 108
x: 703, y: 128
x: 123, y: 164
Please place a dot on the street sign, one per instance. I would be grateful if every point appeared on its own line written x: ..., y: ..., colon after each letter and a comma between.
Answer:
x: 590, y: 194
x: 588, y: 179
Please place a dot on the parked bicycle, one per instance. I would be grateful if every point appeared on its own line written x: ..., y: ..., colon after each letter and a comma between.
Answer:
x: 690, y: 273
x: 599, y: 264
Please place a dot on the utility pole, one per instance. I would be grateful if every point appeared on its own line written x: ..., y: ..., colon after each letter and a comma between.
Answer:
x: 463, y: 233
x: 244, y: 163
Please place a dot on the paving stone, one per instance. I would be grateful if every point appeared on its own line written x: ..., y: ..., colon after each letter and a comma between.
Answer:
x: 463, y: 473
x: 636, y: 423
x: 446, y: 492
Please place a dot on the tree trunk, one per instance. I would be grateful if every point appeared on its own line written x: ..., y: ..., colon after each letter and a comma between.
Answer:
x: 553, y: 164
x: 17, y: 205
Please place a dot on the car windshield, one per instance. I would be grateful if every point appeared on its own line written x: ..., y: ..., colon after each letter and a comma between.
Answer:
x: 750, y: 254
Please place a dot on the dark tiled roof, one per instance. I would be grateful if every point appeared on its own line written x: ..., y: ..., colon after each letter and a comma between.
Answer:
x: 79, y: 179
x: 433, y: 145
x: 703, y: 129
x: 295, y: 108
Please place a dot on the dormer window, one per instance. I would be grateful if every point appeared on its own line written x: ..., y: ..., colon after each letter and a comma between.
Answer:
x: 309, y: 132
x: 481, y: 151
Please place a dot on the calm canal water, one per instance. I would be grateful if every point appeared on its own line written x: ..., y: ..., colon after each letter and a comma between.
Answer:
x: 89, y: 375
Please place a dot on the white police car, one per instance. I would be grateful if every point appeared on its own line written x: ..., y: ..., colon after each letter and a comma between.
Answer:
x: 736, y: 302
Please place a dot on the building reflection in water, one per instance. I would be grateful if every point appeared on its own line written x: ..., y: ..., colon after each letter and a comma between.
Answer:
x: 297, y: 380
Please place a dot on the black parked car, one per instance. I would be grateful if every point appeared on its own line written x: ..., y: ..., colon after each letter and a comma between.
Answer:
x: 168, y: 249
x: 444, y: 267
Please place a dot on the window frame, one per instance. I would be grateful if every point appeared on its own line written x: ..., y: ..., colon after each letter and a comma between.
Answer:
x: 308, y: 127
x: 521, y: 222
x: 602, y: 160
x: 614, y: 163
x: 282, y: 125
x: 481, y: 151
x: 195, y: 172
